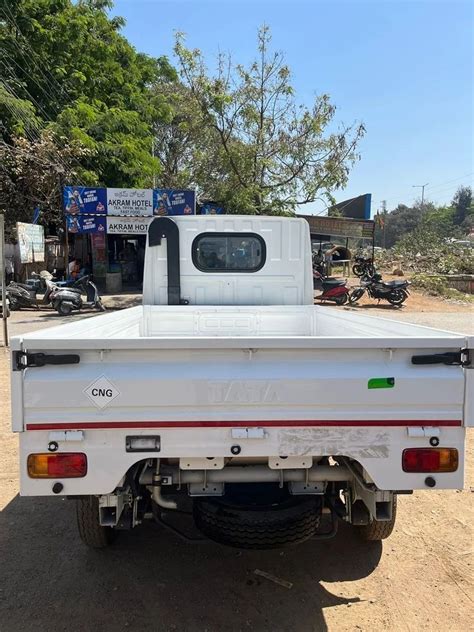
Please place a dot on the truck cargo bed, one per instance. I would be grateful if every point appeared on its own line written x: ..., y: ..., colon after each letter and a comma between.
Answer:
x: 301, y: 326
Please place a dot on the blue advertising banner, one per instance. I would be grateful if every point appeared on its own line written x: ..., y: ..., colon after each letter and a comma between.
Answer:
x: 86, y: 224
x: 173, y: 202
x: 210, y: 208
x: 84, y: 200
x: 128, y: 202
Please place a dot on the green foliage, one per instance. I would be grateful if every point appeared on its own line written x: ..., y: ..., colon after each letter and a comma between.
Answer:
x: 32, y: 175
x: 66, y: 67
x: 436, y: 285
x: 439, y: 222
x: 463, y: 206
x: 269, y: 153
x: 425, y: 251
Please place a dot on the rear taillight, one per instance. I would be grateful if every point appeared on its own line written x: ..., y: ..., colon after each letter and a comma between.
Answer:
x: 430, y: 460
x: 59, y: 465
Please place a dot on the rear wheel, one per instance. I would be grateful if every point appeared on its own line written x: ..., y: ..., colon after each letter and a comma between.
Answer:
x: 91, y: 531
x: 355, y: 295
x: 340, y: 300
x: 14, y: 305
x: 397, y: 297
x: 64, y: 308
x: 358, y: 269
x: 379, y: 529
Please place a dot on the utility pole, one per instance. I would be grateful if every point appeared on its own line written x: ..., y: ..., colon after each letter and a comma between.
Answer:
x: 153, y: 155
x: 383, y: 204
x: 422, y: 187
x: 3, y: 278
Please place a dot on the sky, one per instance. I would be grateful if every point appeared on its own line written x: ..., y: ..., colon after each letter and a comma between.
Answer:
x: 402, y: 67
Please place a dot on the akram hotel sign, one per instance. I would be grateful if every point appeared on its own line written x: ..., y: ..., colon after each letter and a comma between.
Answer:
x: 122, y: 211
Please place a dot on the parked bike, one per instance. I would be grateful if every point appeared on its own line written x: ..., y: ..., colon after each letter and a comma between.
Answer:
x: 363, y: 266
x: 21, y: 295
x: 395, y: 292
x: 333, y: 289
x: 66, y: 299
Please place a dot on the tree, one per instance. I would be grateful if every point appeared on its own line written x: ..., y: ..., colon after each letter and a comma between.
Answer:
x: 65, y: 65
x: 32, y: 174
x: 272, y: 154
x: 462, y: 203
x: 399, y: 222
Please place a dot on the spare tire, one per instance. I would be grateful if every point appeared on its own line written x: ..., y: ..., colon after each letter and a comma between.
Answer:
x: 262, y: 522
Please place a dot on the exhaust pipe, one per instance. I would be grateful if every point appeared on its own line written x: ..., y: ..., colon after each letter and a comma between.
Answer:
x: 164, y: 227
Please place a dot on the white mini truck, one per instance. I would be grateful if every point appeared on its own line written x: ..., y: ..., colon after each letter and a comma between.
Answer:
x: 230, y: 396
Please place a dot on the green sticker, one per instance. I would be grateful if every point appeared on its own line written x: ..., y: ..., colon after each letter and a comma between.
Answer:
x: 381, y: 382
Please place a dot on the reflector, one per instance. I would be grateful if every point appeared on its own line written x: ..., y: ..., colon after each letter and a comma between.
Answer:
x: 57, y: 465
x: 430, y: 460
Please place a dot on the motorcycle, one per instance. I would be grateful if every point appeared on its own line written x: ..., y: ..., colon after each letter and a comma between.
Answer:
x: 333, y: 289
x: 66, y: 299
x: 363, y: 266
x: 395, y: 292
x: 21, y: 295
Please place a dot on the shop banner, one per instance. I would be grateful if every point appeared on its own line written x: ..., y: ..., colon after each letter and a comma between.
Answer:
x: 117, y: 202
x: 130, y: 202
x: 211, y: 209
x: 30, y: 242
x: 173, y: 202
x: 84, y: 200
x: 78, y: 224
x: 340, y: 227
x: 128, y: 226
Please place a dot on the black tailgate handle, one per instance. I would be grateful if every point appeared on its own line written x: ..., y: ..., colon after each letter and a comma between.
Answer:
x: 451, y: 358
x: 24, y: 360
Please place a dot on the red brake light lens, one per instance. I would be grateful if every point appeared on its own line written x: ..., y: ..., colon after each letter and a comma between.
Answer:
x: 430, y: 460
x: 59, y: 465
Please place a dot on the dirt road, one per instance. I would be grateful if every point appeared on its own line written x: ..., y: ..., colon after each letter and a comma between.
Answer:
x: 419, y: 579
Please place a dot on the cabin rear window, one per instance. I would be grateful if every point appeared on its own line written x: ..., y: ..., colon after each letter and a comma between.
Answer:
x: 229, y: 252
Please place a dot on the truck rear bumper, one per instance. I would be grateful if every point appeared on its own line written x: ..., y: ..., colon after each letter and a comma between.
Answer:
x: 377, y: 446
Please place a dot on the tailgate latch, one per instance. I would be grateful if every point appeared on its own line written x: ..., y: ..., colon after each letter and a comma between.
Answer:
x: 23, y: 360
x: 451, y: 358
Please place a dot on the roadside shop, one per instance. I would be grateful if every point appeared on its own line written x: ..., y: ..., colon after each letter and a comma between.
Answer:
x: 107, y: 229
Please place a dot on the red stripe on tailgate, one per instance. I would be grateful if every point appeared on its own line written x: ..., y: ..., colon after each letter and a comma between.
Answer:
x: 275, y: 423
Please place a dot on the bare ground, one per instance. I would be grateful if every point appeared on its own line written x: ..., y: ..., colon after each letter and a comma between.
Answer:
x: 419, y: 579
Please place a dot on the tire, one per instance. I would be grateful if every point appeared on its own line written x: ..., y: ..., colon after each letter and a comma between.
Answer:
x: 358, y: 269
x: 355, y: 295
x: 64, y: 308
x: 341, y: 300
x: 397, y: 297
x: 379, y: 529
x: 290, y: 521
x: 90, y: 530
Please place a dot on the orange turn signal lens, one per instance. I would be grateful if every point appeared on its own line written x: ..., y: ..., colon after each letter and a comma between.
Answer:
x: 430, y: 460
x: 58, y: 465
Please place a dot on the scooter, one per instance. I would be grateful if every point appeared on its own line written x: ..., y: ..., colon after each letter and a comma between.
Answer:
x: 395, y: 292
x: 333, y: 289
x: 66, y: 299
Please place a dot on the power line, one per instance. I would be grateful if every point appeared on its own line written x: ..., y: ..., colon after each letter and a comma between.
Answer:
x: 441, y: 184
x: 429, y: 189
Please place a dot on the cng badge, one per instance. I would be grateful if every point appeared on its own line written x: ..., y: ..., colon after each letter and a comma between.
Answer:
x: 101, y: 392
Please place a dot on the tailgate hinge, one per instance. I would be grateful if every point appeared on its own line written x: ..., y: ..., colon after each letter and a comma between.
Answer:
x: 23, y: 360
x: 451, y: 358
